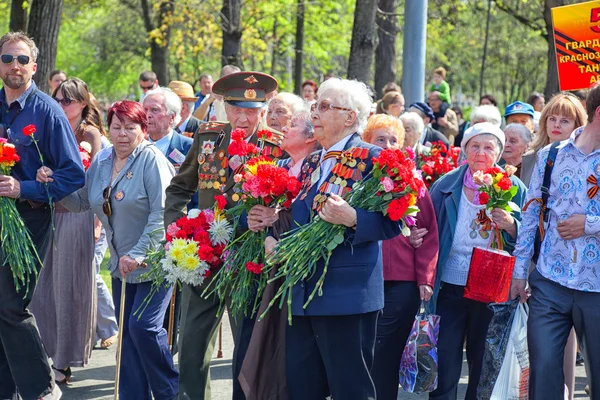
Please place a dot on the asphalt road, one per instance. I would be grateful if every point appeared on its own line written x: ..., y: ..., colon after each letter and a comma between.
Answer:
x: 96, y: 381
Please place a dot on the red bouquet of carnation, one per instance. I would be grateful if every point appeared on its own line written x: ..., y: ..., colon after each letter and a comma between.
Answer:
x: 16, y: 247
x: 396, y: 185
x: 193, y: 249
x: 262, y: 182
x: 437, y: 162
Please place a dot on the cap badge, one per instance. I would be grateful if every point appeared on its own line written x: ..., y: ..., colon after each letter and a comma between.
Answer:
x: 517, y: 106
x: 250, y: 93
x: 251, y: 79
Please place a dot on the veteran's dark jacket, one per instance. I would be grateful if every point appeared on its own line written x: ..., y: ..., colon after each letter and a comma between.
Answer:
x: 354, y: 280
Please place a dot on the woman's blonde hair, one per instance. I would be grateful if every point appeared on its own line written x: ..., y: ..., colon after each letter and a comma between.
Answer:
x: 384, y: 121
x: 564, y: 104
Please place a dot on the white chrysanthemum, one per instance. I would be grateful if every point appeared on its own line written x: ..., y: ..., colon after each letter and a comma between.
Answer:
x: 220, y: 231
x: 193, y: 213
x: 192, y: 277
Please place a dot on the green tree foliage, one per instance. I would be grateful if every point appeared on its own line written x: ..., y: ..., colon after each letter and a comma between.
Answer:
x: 104, y: 42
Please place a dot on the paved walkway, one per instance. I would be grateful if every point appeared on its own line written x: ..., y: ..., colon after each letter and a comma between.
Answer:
x: 96, y: 381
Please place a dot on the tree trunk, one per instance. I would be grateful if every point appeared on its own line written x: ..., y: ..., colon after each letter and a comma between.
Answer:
x: 159, y: 47
x: 385, y: 54
x: 232, y: 32
x: 552, y: 75
x: 485, y: 48
x: 364, y: 41
x: 18, y: 16
x: 275, y: 48
x: 299, y: 49
x: 44, y: 24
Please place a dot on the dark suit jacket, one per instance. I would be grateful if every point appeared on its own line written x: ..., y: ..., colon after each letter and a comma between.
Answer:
x: 182, y: 144
x: 354, y: 280
x: 431, y: 135
x: 192, y: 127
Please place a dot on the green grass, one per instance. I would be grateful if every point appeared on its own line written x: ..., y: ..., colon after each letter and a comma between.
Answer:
x: 104, y: 272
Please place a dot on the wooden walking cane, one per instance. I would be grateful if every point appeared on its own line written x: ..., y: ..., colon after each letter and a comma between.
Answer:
x: 120, y: 343
x: 171, y: 319
x: 220, y: 350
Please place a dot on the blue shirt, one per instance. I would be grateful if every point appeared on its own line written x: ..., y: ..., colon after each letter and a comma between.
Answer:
x: 200, y: 97
x: 163, y: 143
x: 575, y: 263
x: 54, y: 138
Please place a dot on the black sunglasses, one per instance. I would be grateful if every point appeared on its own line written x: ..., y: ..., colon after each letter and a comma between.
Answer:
x: 9, y: 58
x: 65, y: 102
x: 106, y: 206
x: 144, y: 88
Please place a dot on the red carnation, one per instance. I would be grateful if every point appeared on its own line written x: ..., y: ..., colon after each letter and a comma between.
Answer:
x: 255, y: 268
x: 29, y: 130
x: 505, y: 183
x: 238, y: 134
x: 397, y: 208
x: 264, y: 134
x: 181, y: 234
x: 206, y: 253
x: 484, y: 198
x: 221, y: 201
x: 202, y: 237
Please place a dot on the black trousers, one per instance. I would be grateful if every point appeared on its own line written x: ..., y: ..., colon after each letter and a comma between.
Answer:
x: 331, y: 356
x: 402, y: 300
x: 242, y: 342
x: 459, y: 318
x: 553, y: 311
x: 23, y: 360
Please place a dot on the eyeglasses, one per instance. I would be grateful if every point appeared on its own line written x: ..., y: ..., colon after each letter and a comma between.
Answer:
x: 325, y: 106
x: 9, y: 58
x: 106, y: 206
x: 65, y: 102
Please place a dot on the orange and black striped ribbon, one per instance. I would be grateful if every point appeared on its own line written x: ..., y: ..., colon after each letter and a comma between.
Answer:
x: 594, y: 189
x: 542, y: 212
x: 331, y: 154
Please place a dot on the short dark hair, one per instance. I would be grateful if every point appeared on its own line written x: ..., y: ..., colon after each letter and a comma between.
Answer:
x: 533, y: 97
x: 391, y: 87
x: 56, y: 72
x: 489, y: 97
x: 581, y: 94
x: 12, y: 37
x: 148, y: 76
x: 129, y: 109
x: 592, y: 101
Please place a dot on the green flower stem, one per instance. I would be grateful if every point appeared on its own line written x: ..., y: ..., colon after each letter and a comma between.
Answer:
x: 50, y: 202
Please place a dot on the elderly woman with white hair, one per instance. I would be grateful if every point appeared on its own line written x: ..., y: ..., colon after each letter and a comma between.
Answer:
x: 281, y: 110
x: 413, y: 130
x: 329, y: 345
x: 518, y: 139
x: 461, y: 228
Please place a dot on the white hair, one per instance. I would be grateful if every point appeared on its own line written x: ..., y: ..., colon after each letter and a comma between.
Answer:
x: 172, y: 102
x: 413, y: 120
x: 350, y: 94
x: 295, y: 103
x: 191, y: 105
x: 520, y: 129
x: 486, y: 113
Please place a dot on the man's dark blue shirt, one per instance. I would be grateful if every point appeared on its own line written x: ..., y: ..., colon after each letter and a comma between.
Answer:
x: 55, y: 140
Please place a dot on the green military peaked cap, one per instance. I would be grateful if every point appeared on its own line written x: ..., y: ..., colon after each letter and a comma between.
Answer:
x: 245, y: 89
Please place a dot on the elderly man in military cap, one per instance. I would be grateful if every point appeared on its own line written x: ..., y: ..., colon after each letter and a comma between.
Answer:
x: 188, y: 124
x: 209, y: 169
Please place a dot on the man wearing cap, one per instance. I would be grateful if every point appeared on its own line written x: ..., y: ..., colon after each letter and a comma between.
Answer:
x: 188, y: 124
x: 209, y: 169
x: 520, y: 113
x: 430, y: 135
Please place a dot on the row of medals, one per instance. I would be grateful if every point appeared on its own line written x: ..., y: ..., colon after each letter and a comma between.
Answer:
x: 339, y: 180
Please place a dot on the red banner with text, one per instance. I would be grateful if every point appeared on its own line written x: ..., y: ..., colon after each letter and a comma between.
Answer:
x: 577, y: 40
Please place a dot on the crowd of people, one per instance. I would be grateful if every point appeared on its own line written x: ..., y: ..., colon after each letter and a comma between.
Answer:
x: 154, y: 159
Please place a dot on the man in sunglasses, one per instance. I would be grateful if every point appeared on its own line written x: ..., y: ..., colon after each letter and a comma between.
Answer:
x: 148, y: 81
x: 23, y: 361
x: 209, y: 170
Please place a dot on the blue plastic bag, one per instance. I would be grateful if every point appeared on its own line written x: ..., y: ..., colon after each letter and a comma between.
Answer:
x: 419, y: 364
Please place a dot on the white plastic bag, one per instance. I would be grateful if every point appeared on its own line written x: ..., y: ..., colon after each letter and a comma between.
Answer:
x: 513, y: 380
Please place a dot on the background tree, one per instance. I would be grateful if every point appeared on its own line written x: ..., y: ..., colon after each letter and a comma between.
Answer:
x: 18, y: 16
x: 43, y: 27
x: 231, y: 15
x: 385, y: 54
x: 299, y: 48
x: 364, y: 41
x: 157, y: 21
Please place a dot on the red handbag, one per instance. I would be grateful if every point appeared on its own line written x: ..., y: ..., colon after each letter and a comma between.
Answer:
x: 490, y: 275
